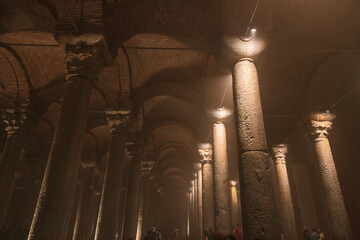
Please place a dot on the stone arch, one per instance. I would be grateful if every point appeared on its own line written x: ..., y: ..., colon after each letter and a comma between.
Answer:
x: 17, y: 91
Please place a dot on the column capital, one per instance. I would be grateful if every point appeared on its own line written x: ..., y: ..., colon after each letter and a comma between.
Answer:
x: 86, y: 55
x: 320, y: 124
x: 118, y: 120
x: 206, y: 154
x: 146, y: 167
x: 130, y: 151
x: 17, y: 120
x: 280, y: 151
x: 320, y: 129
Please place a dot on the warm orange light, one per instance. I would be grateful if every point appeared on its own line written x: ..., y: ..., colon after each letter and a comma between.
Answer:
x: 221, y: 113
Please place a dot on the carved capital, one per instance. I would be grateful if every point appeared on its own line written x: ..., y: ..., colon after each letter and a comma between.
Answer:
x: 205, y: 154
x: 320, y: 129
x: 118, y: 120
x: 130, y: 152
x: 146, y: 167
x: 16, y: 120
x: 280, y: 152
x: 85, y: 56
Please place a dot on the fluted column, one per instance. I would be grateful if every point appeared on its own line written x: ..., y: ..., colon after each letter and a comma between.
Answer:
x: 288, y: 223
x: 257, y: 198
x: 110, y: 197
x: 221, y: 179
x: 84, y: 61
x: 208, y: 186
x: 320, y: 125
x: 15, y: 119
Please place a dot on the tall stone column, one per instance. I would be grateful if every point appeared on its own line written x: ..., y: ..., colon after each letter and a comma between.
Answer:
x: 84, y: 61
x: 196, y: 205
x: 288, y: 223
x: 192, y: 211
x: 34, y: 172
x: 199, y: 209
x: 208, y: 186
x: 133, y: 197
x: 320, y: 125
x: 221, y: 179
x: 257, y: 198
x: 72, y: 222
x: 188, y: 214
x: 15, y: 119
x: 110, y: 197
x: 123, y: 197
x: 234, y: 204
x: 83, y: 219
x: 145, y: 170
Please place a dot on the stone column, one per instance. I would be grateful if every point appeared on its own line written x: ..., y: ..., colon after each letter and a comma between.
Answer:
x: 196, y: 205
x: 84, y: 61
x: 132, y: 202
x: 200, y: 202
x: 288, y: 223
x: 83, y: 219
x: 234, y: 204
x: 221, y: 180
x: 192, y: 212
x: 123, y: 197
x: 257, y: 198
x: 145, y: 169
x: 34, y: 172
x: 15, y: 119
x: 110, y: 197
x: 208, y: 186
x: 72, y: 222
x: 320, y: 125
x: 188, y: 214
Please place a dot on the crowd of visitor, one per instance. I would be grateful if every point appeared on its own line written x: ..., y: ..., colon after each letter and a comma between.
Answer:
x: 316, y: 234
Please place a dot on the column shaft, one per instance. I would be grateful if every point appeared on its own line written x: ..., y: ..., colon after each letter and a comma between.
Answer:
x: 110, y: 197
x: 257, y: 199
x: 234, y: 206
x: 73, y: 216
x: 208, y: 183
x: 83, y: 219
x: 196, y: 205
x: 338, y: 217
x: 55, y: 201
x: 123, y: 201
x: 287, y: 210
x: 132, y: 206
x: 200, y: 204
x: 192, y: 214
x: 8, y: 163
x: 221, y: 180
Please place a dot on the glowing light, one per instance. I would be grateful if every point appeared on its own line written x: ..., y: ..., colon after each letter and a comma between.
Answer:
x: 233, y: 183
x: 253, y: 30
x: 221, y: 113
x: 325, y: 113
x: 204, y: 145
